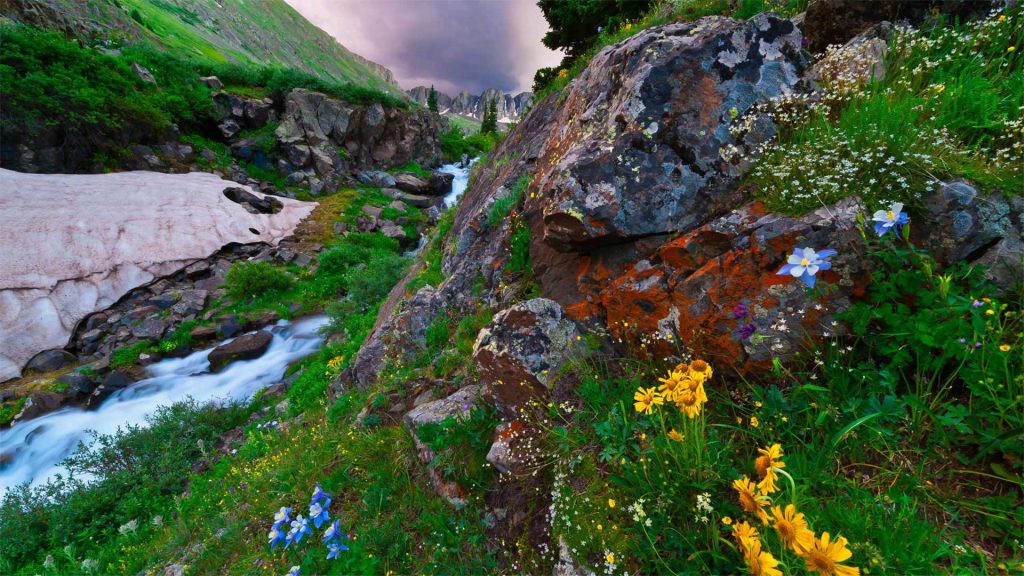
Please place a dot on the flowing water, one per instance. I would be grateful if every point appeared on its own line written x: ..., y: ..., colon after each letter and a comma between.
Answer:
x: 459, y: 184
x: 34, y: 449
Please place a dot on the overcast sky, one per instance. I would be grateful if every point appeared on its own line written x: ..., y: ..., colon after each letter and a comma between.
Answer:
x: 453, y: 44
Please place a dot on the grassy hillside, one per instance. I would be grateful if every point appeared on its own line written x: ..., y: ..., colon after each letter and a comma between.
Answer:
x: 267, y: 32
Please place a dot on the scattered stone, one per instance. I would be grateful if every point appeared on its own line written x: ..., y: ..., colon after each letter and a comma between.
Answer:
x: 114, y: 381
x: 376, y: 178
x: 38, y: 404
x: 150, y: 328
x: 245, y: 347
x: 48, y: 360
x: 143, y: 73
x: 229, y: 327
x: 372, y: 211
x: 413, y: 199
x: 202, y: 333
x: 212, y: 82
x: 398, y: 205
x: 253, y: 203
x: 440, y: 183
x: 78, y: 383
x: 164, y: 301
x: 519, y: 352
x: 340, y: 228
x: 456, y: 406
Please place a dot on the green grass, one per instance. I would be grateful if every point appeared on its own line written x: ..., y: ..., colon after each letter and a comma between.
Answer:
x: 958, y: 118
x: 467, y: 126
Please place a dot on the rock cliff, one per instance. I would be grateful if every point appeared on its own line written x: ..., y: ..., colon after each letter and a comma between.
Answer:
x: 639, y: 229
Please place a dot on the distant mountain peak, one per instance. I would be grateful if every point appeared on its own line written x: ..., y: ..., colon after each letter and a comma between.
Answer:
x: 511, y: 107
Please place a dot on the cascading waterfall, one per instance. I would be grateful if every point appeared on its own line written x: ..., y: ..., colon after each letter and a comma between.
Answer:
x: 461, y: 173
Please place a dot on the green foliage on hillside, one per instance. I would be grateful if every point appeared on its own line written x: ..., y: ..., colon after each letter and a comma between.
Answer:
x: 575, y: 24
x: 48, y: 81
x: 455, y: 143
x: 266, y: 33
x: 279, y: 81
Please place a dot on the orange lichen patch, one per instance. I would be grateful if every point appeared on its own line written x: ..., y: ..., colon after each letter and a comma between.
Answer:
x: 512, y: 430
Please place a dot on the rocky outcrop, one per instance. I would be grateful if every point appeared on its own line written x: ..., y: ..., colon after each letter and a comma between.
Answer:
x: 328, y: 138
x: 639, y: 228
x: 521, y: 350
x: 510, y: 108
x: 245, y: 347
x: 69, y: 251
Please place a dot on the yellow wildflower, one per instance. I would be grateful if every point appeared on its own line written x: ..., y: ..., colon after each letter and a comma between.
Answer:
x: 750, y: 500
x: 754, y: 421
x: 824, y: 557
x: 726, y: 520
x: 611, y: 503
x: 673, y: 434
x: 766, y: 464
x: 700, y: 371
x: 646, y: 399
x: 689, y: 403
x: 610, y: 558
x: 743, y: 532
x: 792, y: 528
x: 759, y: 562
x: 671, y: 385
x: 1005, y: 347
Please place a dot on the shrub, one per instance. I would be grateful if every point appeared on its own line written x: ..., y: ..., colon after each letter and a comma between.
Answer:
x: 134, y: 474
x: 250, y: 279
x: 454, y: 143
x: 502, y: 206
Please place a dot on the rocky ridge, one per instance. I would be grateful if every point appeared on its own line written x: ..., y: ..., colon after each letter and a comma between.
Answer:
x: 510, y: 108
x: 639, y: 231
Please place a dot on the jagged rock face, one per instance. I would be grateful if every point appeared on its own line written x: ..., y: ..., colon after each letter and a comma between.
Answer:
x: 520, y: 351
x: 67, y: 251
x: 637, y: 150
x: 316, y: 129
x: 510, y: 108
x: 639, y: 229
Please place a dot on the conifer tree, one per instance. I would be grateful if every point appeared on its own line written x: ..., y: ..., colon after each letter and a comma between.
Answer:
x: 432, y: 99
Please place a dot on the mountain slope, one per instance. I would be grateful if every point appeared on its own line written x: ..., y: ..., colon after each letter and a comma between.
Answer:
x: 510, y: 107
x: 268, y: 32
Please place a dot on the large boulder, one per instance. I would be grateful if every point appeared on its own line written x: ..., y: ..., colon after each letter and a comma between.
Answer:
x: 638, y: 148
x: 411, y: 183
x: 48, y: 360
x: 370, y: 135
x: 520, y: 351
x: 38, y: 404
x: 245, y: 347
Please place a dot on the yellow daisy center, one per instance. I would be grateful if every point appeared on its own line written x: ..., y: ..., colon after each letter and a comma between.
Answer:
x: 804, y: 262
x: 821, y: 563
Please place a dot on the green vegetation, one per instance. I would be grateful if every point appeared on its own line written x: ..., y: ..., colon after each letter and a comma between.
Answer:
x: 432, y: 100
x: 504, y: 205
x: 455, y: 143
x: 129, y: 355
x: 414, y: 168
x: 251, y: 279
x: 42, y: 71
x: 469, y: 127
x: 950, y: 105
x: 136, y: 474
x: 266, y: 33
x: 489, y: 124
x: 273, y: 80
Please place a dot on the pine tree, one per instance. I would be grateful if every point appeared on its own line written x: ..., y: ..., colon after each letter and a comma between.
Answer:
x: 432, y: 99
x: 489, y: 123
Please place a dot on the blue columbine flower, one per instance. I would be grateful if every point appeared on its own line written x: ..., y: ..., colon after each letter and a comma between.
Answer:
x: 295, y: 571
x: 804, y: 263
x: 275, y: 536
x: 282, y: 516
x: 886, y: 220
x: 334, y: 548
x: 333, y: 532
x: 317, y: 513
x: 320, y: 496
x: 300, y: 528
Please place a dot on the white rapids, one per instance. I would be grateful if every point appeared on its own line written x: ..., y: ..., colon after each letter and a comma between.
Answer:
x: 32, y: 451
x: 459, y: 184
